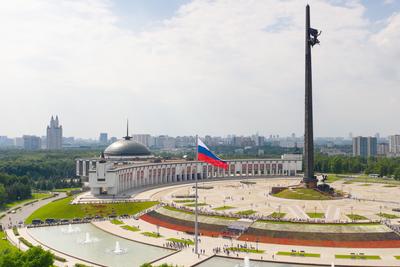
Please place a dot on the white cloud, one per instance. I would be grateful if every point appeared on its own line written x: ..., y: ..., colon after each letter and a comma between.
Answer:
x: 227, y: 66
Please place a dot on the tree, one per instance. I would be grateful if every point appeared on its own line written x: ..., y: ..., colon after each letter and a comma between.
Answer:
x: 37, y: 257
x: 397, y: 174
x: 34, y: 257
x: 3, y: 195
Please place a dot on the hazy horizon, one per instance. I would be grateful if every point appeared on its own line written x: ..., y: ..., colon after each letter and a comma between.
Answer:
x: 197, y: 67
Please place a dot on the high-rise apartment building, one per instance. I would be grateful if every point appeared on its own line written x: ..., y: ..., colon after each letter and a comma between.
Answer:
x: 383, y: 149
x: 144, y: 139
x: 32, y: 142
x: 54, y: 135
x: 103, y: 138
x: 394, y: 144
x: 364, y: 146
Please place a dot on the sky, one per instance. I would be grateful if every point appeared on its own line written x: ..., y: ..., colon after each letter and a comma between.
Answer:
x: 186, y: 67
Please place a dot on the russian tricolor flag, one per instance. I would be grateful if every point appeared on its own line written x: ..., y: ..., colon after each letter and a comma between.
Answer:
x: 204, y: 154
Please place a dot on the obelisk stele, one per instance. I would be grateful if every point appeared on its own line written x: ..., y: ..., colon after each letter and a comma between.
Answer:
x: 309, y: 180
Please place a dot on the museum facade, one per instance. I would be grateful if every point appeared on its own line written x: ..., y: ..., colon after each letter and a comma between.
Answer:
x: 128, y: 165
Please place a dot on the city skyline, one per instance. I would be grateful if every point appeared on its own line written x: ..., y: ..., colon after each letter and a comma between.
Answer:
x: 241, y: 62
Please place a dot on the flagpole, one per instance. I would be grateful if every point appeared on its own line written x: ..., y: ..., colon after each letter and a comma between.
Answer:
x: 196, y: 224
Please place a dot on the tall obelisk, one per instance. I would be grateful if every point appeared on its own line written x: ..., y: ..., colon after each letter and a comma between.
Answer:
x: 309, y: 179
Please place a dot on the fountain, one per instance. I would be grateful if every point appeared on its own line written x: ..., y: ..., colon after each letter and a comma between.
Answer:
x: 70, y: 229
x: 87, y: 238
x: 118, y: 250
x: 246, y: 262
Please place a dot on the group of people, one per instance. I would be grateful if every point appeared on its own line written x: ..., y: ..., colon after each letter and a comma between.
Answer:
x: 176, y: 245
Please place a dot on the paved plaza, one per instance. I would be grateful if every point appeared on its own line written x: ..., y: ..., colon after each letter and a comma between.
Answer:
x: 367, y: 199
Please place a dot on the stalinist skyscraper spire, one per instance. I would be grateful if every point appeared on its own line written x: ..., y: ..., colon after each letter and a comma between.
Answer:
x: 311, y: 39
x: 54, y: 134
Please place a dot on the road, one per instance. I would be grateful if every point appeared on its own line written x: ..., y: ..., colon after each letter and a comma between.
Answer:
x: 21, y: 214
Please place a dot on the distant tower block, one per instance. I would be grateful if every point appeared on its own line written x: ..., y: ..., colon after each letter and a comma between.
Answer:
x: 54, y: 135
x: 311, y: 39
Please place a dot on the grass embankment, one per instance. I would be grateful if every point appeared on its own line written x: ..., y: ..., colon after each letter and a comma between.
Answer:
x: 183, y: 241
x: 224, y: 208
x: 192, y: 213
x: 298, y: 253
x: 67, y: 189
x: 184, y: 200
x: 322, y: 224
x: 247, y: 250
x: 130, y: 228
x: 5, y: 246
x: 245, y: 212
x: 61, y: 209
x: 358, y: 257
x: 152, y: 234
x: 194, y: 205
x: 367, y: 179
x: 388, y: 216
x: 316, y: 215
x: 117, y: 222
x: 333, y: 178
x: 356, y: 217
x: 302, y: 193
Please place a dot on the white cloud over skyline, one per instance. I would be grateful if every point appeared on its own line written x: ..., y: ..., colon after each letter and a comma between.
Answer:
x: 215, y: 67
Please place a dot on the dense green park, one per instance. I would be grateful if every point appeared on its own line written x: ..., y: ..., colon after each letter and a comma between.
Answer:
x: 10, y: 256
x: 348, y: 165
x: 62, y: 209
x: 21, y: 172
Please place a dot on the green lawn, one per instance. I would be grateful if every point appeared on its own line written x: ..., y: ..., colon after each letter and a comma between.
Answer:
x: 224, y: 208
x: 178, y: 210
x: 194, y: 204
x: 365, y: 184
x: 388, y: 216
x: 321, y: 224
x: 366, y: 179
x: 356, y: 217
x: 183, y: 200
x: 316, y: 215
x: 191, y: 212
x: 277, y: 215
x: 5, y: 246
x: 245, y: 212
x: 247, y: 250
x: 151, y: 234
x: 35, y: 196
x: 358, y: 257
x: 302, y: 193
x: 117, y: 222
x: 397, y: 257
x: 286, y: 253
x: 333, y: 178
x: 61, y: 209
x: 130, y: 228
x: 390, y: 185
x: 67, y: 189
x: 184, y: 241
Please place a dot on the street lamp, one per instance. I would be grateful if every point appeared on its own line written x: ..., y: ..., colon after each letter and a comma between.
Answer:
x: 158, y: 230
x: 315, y: 211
